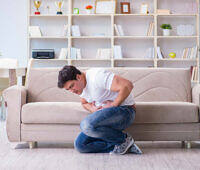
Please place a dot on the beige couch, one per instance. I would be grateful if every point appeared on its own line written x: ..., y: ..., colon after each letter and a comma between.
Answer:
x: 167, y: 107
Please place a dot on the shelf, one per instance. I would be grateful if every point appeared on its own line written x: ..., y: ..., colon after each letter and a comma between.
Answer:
x: 90, y: 59
x: 48, y: 37
x: 134, y: 59
x: 91, y: 37
x: 176, y: 14
x: 176, y: 59
x: 133, y: 14
x: 98, y: 31
x: 51, y: 15
x: 55, y: 59
x: 177, y: 36
x: 134, y: 37
x: 94, y: 15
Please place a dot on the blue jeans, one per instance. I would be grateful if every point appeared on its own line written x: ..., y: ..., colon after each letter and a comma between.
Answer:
x: 102, y: 130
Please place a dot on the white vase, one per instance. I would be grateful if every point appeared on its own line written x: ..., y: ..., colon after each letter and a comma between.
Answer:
x: 89, y: 11
x: 166, y: 32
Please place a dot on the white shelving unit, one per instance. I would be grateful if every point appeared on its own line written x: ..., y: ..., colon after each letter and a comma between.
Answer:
x: 135, y: 25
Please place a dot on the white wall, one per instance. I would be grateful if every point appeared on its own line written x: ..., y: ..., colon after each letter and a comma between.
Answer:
x: 13, y: 30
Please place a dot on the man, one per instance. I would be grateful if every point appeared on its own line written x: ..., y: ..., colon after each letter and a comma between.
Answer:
x: 108, y: 97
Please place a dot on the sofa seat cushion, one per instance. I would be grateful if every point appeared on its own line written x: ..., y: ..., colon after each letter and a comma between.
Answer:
x: 166, y: 112
x: 53, y: 112
x: 73, y: 112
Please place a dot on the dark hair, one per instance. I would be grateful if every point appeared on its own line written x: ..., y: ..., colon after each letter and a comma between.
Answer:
x: 67, y: 73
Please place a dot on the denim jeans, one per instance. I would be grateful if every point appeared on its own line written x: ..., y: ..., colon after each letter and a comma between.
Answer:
x: 102, y: 130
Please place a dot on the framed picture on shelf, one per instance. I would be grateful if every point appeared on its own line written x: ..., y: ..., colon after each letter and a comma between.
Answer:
x: 144, y: 8
x: 125, y: 7
x: 105, y: 6
x: 75, y: 11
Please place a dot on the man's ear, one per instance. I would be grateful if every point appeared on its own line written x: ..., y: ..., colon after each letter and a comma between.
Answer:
x: 78, y: 77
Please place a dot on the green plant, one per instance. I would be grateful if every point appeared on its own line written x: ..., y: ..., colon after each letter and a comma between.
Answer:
x: 166, y: 26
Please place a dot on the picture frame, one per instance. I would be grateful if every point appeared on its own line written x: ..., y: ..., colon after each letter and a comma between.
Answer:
x: 125, y: 7
x: 144, y: 8
x: 75, y: 10
x: 105, y: 6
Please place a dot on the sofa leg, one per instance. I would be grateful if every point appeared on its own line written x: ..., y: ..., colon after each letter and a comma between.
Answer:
x: 32, y: 145
x: 183, y: 144
x: 188, y: 145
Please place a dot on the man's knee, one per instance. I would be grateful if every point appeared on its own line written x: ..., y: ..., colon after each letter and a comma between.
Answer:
x: 79, y: 146
x: 86, y: 126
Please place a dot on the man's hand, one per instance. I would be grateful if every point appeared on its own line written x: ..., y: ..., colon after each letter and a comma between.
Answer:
x: 108, y: 103
x: 90, y: 106
x: 94, y: 107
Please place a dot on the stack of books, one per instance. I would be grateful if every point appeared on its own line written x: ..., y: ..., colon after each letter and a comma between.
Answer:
x: 75, y: 53
x: 34, y: 31
x: 194, y: 71
x: 189, y: 53
x: 75, y: 30
x: 117, y: 52
x: 150, y: 29
x: 118, y: 29
x: 150, y: 53
x: 103, y: 53
x: 159, y: 53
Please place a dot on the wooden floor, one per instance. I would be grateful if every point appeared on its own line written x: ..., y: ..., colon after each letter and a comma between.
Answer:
x: 58, y: 156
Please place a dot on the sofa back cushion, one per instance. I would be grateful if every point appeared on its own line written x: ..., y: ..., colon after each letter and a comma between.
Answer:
x: 150, y: 84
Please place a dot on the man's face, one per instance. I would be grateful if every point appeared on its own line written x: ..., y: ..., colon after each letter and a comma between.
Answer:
x: 75, y: 86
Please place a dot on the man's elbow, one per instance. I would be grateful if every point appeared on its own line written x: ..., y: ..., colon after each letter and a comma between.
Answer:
x: 130, y: 86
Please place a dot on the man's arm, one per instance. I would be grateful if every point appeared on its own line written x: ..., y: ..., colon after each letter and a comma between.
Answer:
x: 123, y: 86
x: 89, y: 106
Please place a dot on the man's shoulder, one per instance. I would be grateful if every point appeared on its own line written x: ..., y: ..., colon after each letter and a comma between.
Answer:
x: 95, y: 71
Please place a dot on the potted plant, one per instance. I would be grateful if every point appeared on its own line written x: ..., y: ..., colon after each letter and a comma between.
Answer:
x: 166, y: 29
x: 89, y: 9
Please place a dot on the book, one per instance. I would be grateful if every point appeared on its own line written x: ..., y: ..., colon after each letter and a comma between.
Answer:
x: 193, y: 70
x: 121, y: 31
x: 183, y: 53
x: 73, y: 53
x: 78, y: 53
x: 103, y: 53
x: 188, y: 53
x: 147, y: 53
x: 191, y: 53
x: 195, y: 52
x: 160, y: 56
x: 116, y: 30
x: 150, y: 29
x: 117, y: 52
x: 34, y: 31
x: 98, y: 53
x: 196, y: 74
x: 75, y: 30
x: 63, y: 53
x: 65, y: 31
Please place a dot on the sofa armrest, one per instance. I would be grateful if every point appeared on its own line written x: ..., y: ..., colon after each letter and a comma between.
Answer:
x: 15, y: 97
x: 196, y: 94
